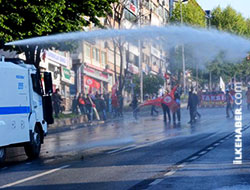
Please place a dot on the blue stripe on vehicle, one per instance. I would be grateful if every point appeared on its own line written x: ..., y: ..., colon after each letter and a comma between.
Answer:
x: 14, y: 110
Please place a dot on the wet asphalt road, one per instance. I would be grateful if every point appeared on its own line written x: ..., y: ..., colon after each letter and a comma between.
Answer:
x: 130, y: 154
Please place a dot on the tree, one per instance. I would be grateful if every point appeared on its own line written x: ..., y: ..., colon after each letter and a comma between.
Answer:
x: 26, y: 19
x: 248, y: 27
x: 229, y: 20
x: 114, y: 21
x: 192, y: 14
x: 151, y: 84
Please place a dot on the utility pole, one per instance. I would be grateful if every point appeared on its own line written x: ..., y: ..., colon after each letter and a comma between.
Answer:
x: 140, y: 63
x: 183, y: 56
x: 208, y: 17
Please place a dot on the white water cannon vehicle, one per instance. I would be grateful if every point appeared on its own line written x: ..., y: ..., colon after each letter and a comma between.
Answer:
x: 25, y: 106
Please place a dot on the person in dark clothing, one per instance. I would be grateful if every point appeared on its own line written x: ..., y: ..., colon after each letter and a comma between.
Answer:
x: 103, y: 106
x: 81, y: 103
x: 192, y: 106
x: 74, y: 105
x: 153, y: 107
x: 177, y: 98
x: 228, y: 99
x: 107, y: 100
x: 120, y: 103
x: 166, y: 110
x: 89, y: 108
x: 134, y: 105
x: 97, y: 103
x: 196, y: 103
x: 56, y: 98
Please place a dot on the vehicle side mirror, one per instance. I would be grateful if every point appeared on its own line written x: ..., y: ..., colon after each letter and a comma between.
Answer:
x: 48, y: 83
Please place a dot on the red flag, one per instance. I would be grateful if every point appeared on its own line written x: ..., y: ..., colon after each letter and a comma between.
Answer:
x: 167, y: 99
x: 155, y: 102
x: 170, y: 102
x: 91, y: 82
x: 173, y: 91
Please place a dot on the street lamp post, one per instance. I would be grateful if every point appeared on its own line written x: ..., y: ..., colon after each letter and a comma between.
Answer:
x: 140, y: 63
x: 208, y: 17
x: 183, y: 53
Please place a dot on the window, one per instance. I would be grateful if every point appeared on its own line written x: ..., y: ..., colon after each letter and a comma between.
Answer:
x: 94, y: 53
x: 97, y: 55
x: 103, y: 58
x: 87, y: 50
x: 36, y: 81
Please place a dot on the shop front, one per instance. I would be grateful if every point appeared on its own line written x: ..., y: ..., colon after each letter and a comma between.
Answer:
x: 67, y: 80
x: 96, y: 80
x: 53, y: 62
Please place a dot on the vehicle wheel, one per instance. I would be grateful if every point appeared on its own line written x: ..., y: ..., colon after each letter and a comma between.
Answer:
x: 2, y: 154
x: 32, y: 149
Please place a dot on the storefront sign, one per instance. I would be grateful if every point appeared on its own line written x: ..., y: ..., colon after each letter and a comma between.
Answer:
x: 91, y: 82
x: 56, y: 57
x: 96, y: 74
x: 132, y: 8
x: 68, y: 76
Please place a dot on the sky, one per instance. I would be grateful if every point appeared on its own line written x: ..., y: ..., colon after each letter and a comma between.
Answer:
x: 242, y: 6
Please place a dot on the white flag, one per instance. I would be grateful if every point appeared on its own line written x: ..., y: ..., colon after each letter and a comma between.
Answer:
x: 222, y: 85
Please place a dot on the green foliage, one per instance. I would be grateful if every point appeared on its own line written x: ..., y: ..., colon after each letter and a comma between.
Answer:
x: 192, y: 14
x: 21, y: 19
x: 230, y: 20
x: 248, y: 27
x: 219, y: 67
x: 151, y: 84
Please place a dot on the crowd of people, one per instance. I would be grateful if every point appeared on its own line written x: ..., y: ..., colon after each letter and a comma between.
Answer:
x: 98, y: 105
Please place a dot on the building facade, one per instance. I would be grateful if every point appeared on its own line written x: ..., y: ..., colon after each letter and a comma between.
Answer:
x: 60, y: 65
